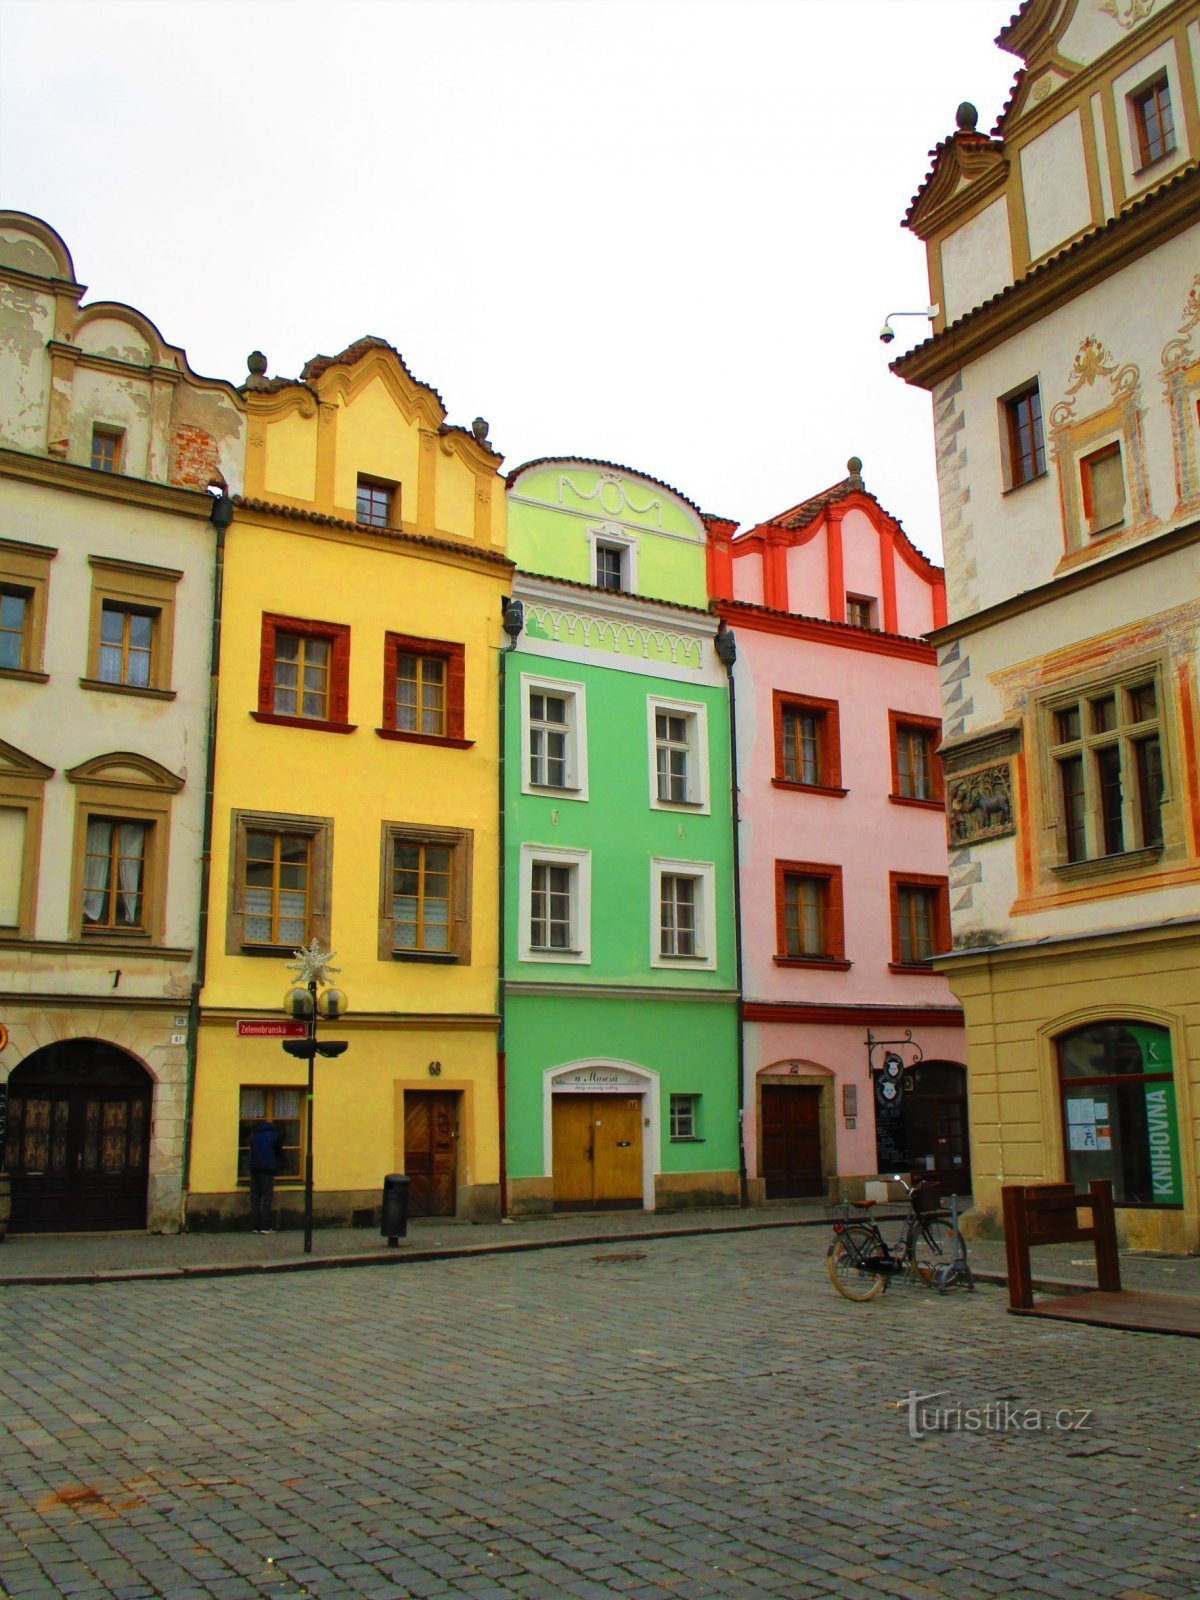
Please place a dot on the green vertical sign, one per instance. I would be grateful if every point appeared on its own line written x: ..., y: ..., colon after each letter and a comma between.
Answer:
x: 1162, y: 1123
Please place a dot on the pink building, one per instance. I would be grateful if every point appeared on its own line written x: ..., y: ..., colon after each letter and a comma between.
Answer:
x: 843, y: 850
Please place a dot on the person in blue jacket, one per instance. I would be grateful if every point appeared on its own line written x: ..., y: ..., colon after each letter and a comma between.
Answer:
x: 266, y: 1158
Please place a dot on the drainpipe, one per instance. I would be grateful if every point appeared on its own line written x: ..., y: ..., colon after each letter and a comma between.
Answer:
x: 726, y: 646
x: 222, y: 516
x: 513, y: 622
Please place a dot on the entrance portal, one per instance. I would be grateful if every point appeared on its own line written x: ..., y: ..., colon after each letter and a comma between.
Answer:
x: 597, y: 1142
x: 431, y: 1151
x: 931, y: 1122
x: 78, y: 1141
x: 791, y: 1141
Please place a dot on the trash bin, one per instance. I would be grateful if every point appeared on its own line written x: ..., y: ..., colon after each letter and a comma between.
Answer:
x: 393, y: 1217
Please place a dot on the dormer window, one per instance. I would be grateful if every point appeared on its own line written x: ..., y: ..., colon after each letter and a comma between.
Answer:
x: 614, y: 559
x: 610, y: 566
x: 860, y: 611
x: 106, y: 449
x: 377, y: 503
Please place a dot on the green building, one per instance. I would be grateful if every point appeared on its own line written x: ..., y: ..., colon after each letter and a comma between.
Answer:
x: 620, y: 1003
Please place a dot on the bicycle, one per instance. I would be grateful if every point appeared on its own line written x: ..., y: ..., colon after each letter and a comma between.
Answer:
x: 929, y: 1249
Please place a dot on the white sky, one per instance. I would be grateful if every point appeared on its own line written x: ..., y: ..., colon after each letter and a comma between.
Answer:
x: 663, y: 233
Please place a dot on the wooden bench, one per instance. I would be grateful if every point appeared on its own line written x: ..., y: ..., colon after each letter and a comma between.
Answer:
x: 1048, y: 1213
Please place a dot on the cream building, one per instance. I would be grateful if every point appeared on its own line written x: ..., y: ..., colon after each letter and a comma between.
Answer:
x: 1065, y: 371
x: 109, y: 445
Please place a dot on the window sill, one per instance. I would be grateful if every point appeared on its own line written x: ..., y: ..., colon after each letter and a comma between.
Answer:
x: 135, y: 936
x: 24, y: 675
x: 274, y: 951
x: 573, y: 957
x: 435, y: 958
x: 443, y: 739
x: 1148, y: 167
x: 809, y: 788
x: 821, y: 963
x: 686, y: 1138
x: 547, y: 791
x: 126, y: 688
x: 313, y: 724
x: 1012, y: 488
x: 1103, y: 866
x: 932, y: 804
x: 919, y: 969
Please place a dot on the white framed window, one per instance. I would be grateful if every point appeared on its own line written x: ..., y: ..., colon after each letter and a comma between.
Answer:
x: 683, y: 922
x: 555, y: 904
x: 685, y: 1117
x: 613, y: 559
x: 553, y: 737
x: 678, y: 737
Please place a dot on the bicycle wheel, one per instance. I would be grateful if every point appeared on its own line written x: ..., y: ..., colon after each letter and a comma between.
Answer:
x: 937, y: 1251
x: 850, y: 1266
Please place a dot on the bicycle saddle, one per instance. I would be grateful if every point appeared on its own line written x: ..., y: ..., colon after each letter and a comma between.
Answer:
x: 864, y: 1205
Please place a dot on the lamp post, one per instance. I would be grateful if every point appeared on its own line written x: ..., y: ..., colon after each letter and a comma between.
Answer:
x: 314, y: 994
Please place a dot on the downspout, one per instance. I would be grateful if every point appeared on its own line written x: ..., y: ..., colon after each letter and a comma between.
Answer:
x: 222, y: 516
x: 726, y: 646
x: 513, y: 622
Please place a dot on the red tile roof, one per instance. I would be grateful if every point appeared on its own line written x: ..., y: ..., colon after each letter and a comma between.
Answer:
x: 394, y: 535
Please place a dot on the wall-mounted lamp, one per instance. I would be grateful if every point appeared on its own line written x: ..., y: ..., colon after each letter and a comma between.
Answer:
x: 887, y: 333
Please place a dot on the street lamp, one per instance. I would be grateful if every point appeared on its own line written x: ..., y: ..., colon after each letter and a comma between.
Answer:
x: 313, y: 995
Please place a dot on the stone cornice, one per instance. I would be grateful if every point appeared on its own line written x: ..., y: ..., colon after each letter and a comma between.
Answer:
x: 640, y: 610
x: 1175, y: 930
x: 801, y: 1011
x: 761, y: 619
x: 53, y: 474
x: 363, y: 1021
x: 622, y: 991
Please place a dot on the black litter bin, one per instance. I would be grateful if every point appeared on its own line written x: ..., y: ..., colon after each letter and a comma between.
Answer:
x: 393, y: 1217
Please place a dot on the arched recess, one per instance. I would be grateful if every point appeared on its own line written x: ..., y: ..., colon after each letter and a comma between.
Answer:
x: 599, y: 1090
x: 797, y: 1130
x: 78, y: 1139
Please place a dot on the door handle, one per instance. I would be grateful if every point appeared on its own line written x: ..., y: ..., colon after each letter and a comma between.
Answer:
x: 79, y: 1162
x: 624, y: 1144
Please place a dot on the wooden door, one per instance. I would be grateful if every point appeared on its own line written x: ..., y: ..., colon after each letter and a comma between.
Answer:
x: 791, y: 1141
x: 431, y: 1151
x: 597, y: 1144
x: 79, y: 1157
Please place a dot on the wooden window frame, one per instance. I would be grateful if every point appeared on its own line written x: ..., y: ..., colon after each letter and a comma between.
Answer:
x: 454, y: 656
x: 900, y: 723
x: 940, y: 888
x: 385, y: 486
x: 1158, y: 89
x: 319, y: 830
x: 461, y: 843
x: 149, y: 591
x: 110, y: 435
x: 689, y: 1112
x: 872, y: 604
x: 25, y: 571
x: 22, y: 788
x: 338, y: 636
x: 829, y: 735
x: 285, y: 1180
x: 830, y: 874
x: 125, y: 788
x: 1015, y: 474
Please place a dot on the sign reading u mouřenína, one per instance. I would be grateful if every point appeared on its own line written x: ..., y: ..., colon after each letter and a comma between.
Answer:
x: 258, y: 1029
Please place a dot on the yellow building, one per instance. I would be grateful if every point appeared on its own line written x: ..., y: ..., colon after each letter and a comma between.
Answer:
x: 355, y: 797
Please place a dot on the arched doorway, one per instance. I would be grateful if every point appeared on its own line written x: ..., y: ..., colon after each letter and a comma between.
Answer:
x: 78, y: 1139
x: 934, y: 1112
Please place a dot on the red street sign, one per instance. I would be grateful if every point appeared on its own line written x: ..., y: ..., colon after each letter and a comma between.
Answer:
x: 271, y: 1030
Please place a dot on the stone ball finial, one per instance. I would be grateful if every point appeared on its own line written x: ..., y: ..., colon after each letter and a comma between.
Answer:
x: 480, y: 429
x: 967, y: 117
x: 256, y: 363
x: 854, y: 468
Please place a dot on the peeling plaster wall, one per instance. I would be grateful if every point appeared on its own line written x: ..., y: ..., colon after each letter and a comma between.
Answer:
x: 26, y: 322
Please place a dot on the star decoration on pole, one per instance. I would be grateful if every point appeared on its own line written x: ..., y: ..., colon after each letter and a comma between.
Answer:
x: 312, y: 964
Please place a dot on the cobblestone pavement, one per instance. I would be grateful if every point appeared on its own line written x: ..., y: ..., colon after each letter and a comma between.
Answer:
x: 692, y: 1417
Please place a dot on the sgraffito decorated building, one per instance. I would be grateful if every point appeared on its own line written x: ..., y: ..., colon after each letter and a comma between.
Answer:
x: 1064, y: 366
x: 356, y: 793
x: 619, y: 961
x: 108, y: 446
x: 842, y: 849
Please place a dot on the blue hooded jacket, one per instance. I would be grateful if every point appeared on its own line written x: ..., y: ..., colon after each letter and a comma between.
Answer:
x: 266, y: 1148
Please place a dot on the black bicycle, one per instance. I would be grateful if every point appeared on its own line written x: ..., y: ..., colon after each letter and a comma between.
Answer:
x: 929, y: 1248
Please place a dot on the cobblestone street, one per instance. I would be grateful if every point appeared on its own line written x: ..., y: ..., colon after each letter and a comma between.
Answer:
x: 686, y: 1416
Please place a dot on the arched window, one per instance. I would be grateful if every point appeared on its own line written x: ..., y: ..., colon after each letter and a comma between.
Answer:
x: 1119, y: 1119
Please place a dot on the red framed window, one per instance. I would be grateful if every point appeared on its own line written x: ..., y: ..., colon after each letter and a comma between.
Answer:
x: 424, y: 682
x: 304, y: 673
x: 916, y: 766
x: 920, y: 904
x: 810, y: 926
x: 807, y: 742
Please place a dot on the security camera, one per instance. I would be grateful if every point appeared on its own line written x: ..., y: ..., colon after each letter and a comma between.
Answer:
x: 886, y: 334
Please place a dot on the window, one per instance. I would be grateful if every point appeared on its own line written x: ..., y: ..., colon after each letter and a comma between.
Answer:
x: 1105, y: 747
x: 1119, y: 1117
x: 916, y: 768
x: 920, y: 919
x: 106, y: 449
x: 683, y: 927
x: 132, y: 624
x: 424, y: 684
x: 282, y: 1107
x: 425, y: 911
x: 860, y: 611
x: 304, y: 674
x: 555, y: 904
x: 1026, y: 449
x: 807, y: 742
x: 1153, y: 121
x: 809, y: 919
x: 279, y: 891
x: 24, y: 586
x: 122, y: 832
x: 377, y: 503
x: 113, y: 876
x: 685, y: 1116
x: 22, y: 787
x: 614, y: 559
x: 610, y: 566
x: 1103, y: 482
x: 679, y: 746
x: 554, y: 736
x: 16, y: 614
